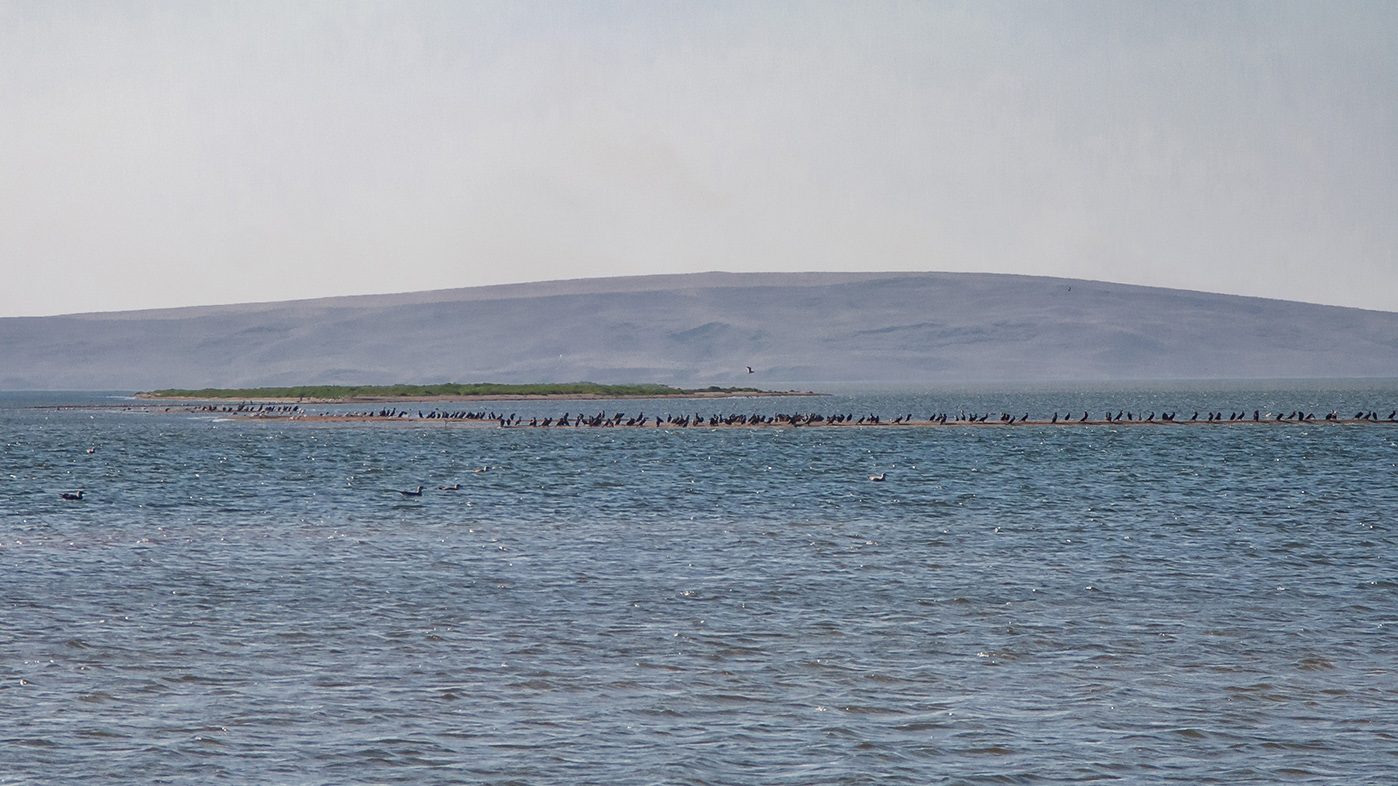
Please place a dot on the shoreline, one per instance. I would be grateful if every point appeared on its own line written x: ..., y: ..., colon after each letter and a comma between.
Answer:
x: 914, y: 424
x: 700, y: 394
x: 501, y: 421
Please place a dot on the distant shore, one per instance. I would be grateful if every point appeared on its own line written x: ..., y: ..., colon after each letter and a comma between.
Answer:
x: 455, y: 392
x: 291, y: 411
x: 700, y: 394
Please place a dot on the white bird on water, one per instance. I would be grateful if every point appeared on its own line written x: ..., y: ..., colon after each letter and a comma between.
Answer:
x: 879, y: 478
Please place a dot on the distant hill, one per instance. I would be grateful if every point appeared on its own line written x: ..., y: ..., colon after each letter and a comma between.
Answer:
x: 705, y: 329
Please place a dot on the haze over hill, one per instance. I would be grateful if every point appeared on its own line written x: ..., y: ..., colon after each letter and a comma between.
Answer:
x: 705, y: 329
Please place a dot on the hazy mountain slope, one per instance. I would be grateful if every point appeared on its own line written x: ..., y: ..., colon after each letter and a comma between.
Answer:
x: 703, y: 329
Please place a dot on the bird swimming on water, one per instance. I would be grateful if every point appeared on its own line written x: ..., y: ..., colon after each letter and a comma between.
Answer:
x: 71, y: 496
x: 879, y: 478
x: 452, y: 487
x: 415, y: 493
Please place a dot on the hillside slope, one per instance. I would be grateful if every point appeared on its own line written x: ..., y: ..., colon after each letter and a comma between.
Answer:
x: 703, y: 329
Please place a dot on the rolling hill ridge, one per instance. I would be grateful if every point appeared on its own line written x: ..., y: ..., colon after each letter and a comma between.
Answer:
x: 705, y: 329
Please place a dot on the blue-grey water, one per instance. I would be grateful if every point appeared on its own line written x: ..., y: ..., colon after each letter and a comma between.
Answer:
x: 248, y: 602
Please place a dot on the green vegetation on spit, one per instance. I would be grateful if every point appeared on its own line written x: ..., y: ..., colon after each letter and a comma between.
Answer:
x: 445, y: 389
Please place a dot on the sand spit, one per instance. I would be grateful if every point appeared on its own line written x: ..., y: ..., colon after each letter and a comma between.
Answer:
x: 707, y: 423
x: 699, y: 394
x: 394, y: 416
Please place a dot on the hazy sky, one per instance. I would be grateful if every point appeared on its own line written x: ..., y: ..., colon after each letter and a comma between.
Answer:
x: 165, y: 154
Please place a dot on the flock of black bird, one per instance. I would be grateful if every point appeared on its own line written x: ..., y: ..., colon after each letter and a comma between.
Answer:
x: 247, y: 408
x: 604, y: 420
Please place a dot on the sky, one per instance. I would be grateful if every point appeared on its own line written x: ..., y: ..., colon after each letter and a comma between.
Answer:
x: 158, y: 154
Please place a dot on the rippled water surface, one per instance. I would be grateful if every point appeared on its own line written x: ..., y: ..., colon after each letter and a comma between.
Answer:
x: 255, y: 603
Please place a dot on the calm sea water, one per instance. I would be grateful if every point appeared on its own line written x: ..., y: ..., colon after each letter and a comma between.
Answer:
x: 255, y: 603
